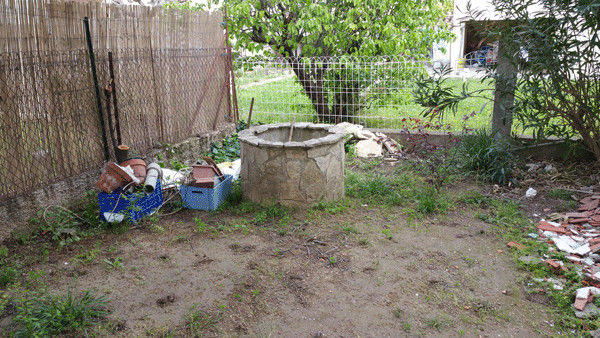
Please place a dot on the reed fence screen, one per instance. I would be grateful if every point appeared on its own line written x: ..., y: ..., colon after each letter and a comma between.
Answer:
x: 172, y: 80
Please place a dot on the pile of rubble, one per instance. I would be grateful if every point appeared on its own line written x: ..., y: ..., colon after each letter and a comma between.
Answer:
x: 578, y: 235
x: 371, y: 144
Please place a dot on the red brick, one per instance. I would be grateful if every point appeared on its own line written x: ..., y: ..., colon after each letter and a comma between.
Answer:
x: 515, y: 245
x: 545, y: 226
x: 578, y: 214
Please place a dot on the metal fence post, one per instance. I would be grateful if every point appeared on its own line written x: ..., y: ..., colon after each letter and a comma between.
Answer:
x: 90, y: 48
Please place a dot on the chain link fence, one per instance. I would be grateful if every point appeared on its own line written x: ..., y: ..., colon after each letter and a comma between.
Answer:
x: 50, y: 126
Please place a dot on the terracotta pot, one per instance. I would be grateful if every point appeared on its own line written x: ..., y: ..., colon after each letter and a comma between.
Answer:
x: 113, y: 178
x: 139, y: 168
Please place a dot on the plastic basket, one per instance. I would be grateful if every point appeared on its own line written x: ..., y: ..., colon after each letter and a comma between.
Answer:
x: 205, y: 198
x: 132, y: 205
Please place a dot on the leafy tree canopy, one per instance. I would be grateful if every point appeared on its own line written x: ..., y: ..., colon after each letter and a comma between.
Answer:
x: 296, y: 29
x: 339, y: 27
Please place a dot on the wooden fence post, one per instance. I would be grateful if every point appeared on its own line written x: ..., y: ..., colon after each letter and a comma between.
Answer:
x: 504, y: 94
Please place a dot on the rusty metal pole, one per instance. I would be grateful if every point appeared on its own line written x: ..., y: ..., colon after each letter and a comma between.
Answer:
x: 88, y: 36
x: 114, y: 97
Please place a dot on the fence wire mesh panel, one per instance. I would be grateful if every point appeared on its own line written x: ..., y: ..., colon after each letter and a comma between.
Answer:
x: 171, y: 74
x: 166, y: 96
x: 373, y: 91
x: 48, y: 119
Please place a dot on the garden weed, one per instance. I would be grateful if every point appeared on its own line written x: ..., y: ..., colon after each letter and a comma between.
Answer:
x: 8, y: 275
x: 197, y: 321
x: 53, y: 315
x: 200, y: 225
x: 560, y: 194
x: 430, y: 201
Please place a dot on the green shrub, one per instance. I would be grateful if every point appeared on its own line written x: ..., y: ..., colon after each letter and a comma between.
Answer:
x: 486, y: 156
x: 53, y: 315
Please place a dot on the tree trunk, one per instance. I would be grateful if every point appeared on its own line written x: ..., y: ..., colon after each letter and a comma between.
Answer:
x: 311, y: 79
x: 504, y: 96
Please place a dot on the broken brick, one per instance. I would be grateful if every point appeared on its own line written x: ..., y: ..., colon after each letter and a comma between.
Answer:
x: 592, y: 205
x: 578, y: 214
x: 586, y: 200
x: 545, y: 226
x: 556, y: 265
x: 580, y: 303
x: 515, y: 245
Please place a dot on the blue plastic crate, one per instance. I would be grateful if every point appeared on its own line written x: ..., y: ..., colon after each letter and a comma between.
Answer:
x: 132, y: 205
x: 205, y: 198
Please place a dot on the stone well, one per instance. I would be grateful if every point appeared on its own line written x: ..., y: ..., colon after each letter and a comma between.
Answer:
x: 308, y: 169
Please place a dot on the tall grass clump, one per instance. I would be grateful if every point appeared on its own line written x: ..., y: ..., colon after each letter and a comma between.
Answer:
x: 54, y: 315
x: 484, y: 155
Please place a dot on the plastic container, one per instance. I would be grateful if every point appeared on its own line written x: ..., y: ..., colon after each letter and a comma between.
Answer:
x: 132, y: 206
x: 205, y: 198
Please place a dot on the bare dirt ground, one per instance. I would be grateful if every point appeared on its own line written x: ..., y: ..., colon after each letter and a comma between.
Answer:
x: 367, y: 271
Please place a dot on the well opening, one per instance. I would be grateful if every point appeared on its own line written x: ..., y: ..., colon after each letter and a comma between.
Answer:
x: 281, y: 134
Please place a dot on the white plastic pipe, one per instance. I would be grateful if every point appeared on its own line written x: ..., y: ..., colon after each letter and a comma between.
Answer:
x: 153, y: 174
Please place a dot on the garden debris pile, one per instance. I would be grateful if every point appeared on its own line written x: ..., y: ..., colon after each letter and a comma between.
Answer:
x: 370, y: 144
x: 578, y: 235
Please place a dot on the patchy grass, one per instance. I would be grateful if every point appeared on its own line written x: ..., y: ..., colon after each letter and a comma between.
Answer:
x: 198, y: 321
x: 513, y: 225
x: 430, y: 201
x: 53, y: 315
x: 262, y: 263
x: 561, y: 194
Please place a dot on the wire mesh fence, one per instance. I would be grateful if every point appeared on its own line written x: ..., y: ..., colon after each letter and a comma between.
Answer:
x: 373, y: 91
x: 376, y: 92
x: 50, y: 126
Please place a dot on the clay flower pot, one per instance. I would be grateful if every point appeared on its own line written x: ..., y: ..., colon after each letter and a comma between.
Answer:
x: 139, y: 168
x: 113, y: 178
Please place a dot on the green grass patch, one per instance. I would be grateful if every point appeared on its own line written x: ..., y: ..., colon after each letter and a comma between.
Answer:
x: 198, y: 321
x: 430, y: 201
x: 8, y: 275
x: 560, y: 194
x: 332, y: 207
x: 53, y: 315
x: 374, y: 187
